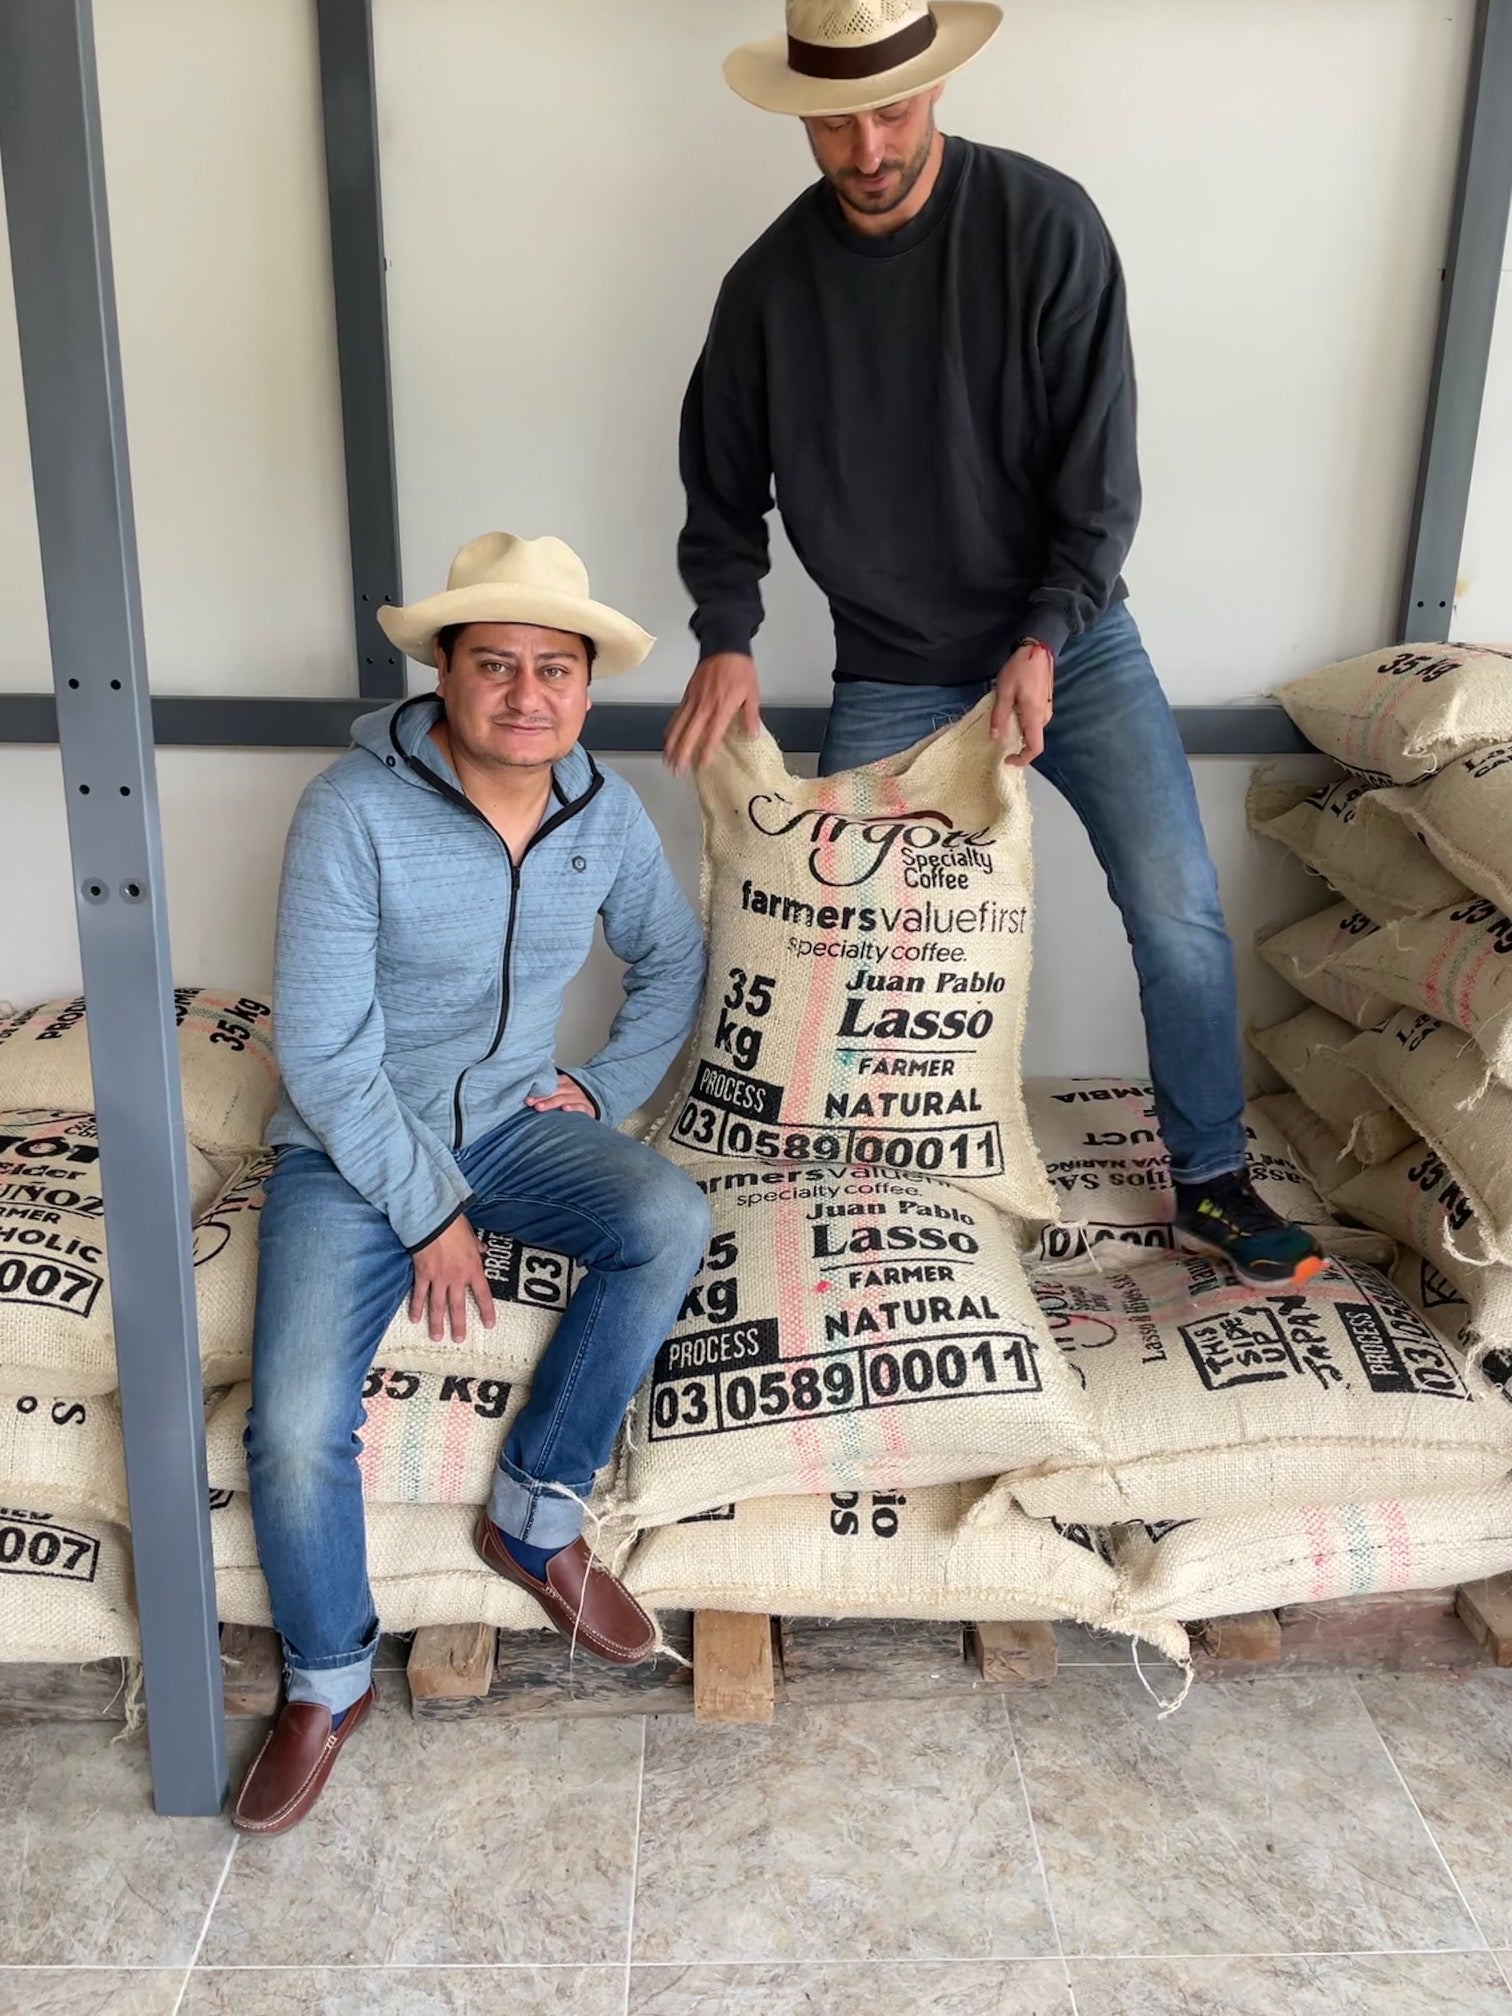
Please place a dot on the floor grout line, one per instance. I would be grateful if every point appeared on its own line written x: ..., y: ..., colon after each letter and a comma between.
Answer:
x: 1018, y: 1765
x: 1433, y: 1840
x: 640, y: 1796
x: 199, y: 1944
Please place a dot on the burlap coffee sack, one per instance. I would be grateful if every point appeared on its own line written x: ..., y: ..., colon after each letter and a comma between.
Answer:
x: 849, y: 1330
x: 530, y: 1287
x: 869, y: 950
x: 421, y: 1566
x: 428, y: 1438
x: 1453, y: 965
x: 1417, y: 1201
x: 65, y: 1453
x: 1406, y: 711
x: 880, y: 1554
x: 1304, y: 954
x: 66, y: 1591
x: 230, y: 1078
x: 1437, y: 1078
x: 1307, y: 1050
x: 1343, y: 832
x: 1210, y: 1395
x: 1259, y: 1560
x: 1313, y: 1145
x: 1465, y: 817
x: 1102, y: 1149
x: 57, y: 1333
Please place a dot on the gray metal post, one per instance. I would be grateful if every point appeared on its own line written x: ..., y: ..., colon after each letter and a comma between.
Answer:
x: 50, y: 151
x: 1467, y: 315
x: 350, y: 113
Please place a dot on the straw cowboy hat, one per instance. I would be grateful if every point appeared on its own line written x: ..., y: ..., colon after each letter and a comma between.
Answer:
x: 842, y: 56
x: 501, y: 578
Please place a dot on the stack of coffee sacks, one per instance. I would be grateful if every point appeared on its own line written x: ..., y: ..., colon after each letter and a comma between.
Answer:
x: 1405, y: 1055
x: 65, y: 1559
x: 1225, y: 1417
x: 437, y: 1412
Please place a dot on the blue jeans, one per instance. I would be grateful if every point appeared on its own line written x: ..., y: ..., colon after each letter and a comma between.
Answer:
x: 331, y: 1276
x: 1113, y: 752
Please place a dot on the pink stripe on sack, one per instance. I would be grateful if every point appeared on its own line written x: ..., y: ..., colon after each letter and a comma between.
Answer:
x: 1376, y: 717
x: 1398, y: 1544
x: 1316, y: 1527
x: 456, y: 1433
x: 1468, y: 983
x: 1433, y: 978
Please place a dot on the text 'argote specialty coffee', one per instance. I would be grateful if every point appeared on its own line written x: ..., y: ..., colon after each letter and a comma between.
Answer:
x: 869, y: 952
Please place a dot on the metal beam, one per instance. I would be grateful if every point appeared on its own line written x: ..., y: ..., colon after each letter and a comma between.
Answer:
x: 355, y: 201
x: 70, y: 361
x: 1462, y: 351
x: 185, y: 720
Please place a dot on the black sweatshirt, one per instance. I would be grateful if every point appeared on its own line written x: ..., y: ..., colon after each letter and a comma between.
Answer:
x: 947, y: 417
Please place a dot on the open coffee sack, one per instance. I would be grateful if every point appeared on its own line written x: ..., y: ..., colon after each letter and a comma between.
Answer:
x: 1465, y: 817
x: 869, y: 952
x: 1343, y: 832
x: 421, y: 1565
x: 1403, y: 712
x: 882, y: 1554
x: 66, y: 1589
x: 428, y: 1438
x: 1308, y: 1052
x: 1102, y: 1149
x: 849, y: 1330
x: 230, y: 1077
x: 1209, y: 1395
x: 1305, y: 955
x: 1267, y: 1557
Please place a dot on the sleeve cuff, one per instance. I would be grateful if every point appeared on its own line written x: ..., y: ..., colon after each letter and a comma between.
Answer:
x: 723, y: 630
x: 436, y: 1230
x: 1050, y: 626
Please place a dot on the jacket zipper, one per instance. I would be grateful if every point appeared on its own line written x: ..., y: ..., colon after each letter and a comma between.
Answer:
x: 506, y: 986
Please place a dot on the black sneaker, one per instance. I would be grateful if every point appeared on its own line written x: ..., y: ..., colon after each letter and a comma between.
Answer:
x: 1225, y: 1217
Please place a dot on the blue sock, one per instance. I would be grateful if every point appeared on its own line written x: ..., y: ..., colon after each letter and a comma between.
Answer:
x: 337, y: 1720
x: 532, y: 1559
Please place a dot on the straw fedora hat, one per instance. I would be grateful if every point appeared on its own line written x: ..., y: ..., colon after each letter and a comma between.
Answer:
x: 842, y: 56
x: 501, y: 578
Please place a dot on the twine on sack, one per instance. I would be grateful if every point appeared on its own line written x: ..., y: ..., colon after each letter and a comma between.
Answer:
x: 134, y: 1708
x: 1188, y: 1673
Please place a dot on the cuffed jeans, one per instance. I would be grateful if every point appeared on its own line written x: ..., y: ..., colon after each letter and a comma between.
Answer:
x: 332, y: 1275
x: 1113, y: 752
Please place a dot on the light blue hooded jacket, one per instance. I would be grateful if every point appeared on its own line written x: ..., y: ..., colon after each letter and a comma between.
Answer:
x: 420, y: 973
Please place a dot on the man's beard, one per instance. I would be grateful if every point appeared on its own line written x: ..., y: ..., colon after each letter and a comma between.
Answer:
x: 847, y: 185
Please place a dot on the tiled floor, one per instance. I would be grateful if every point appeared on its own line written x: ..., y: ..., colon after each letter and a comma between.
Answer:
x: 1319, y: 1846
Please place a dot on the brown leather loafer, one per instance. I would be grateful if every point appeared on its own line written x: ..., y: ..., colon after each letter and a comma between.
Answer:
x: 289, y: 1772
x: 583, y: 1600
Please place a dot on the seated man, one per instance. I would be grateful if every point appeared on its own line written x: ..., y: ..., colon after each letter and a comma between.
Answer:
x: 440, y: 889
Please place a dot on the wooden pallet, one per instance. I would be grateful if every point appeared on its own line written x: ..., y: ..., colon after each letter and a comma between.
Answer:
x: 726, y: 1667
x: 746, y: 1668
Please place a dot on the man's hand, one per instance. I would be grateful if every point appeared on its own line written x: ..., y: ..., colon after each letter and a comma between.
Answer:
x: 445, y: 1271
x: 1025, y: 693
x: 569, y: 1097
x: 721, y: 687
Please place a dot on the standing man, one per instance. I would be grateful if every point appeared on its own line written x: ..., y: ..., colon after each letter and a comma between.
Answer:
x: 442, y: 885
x: 928, y: 356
